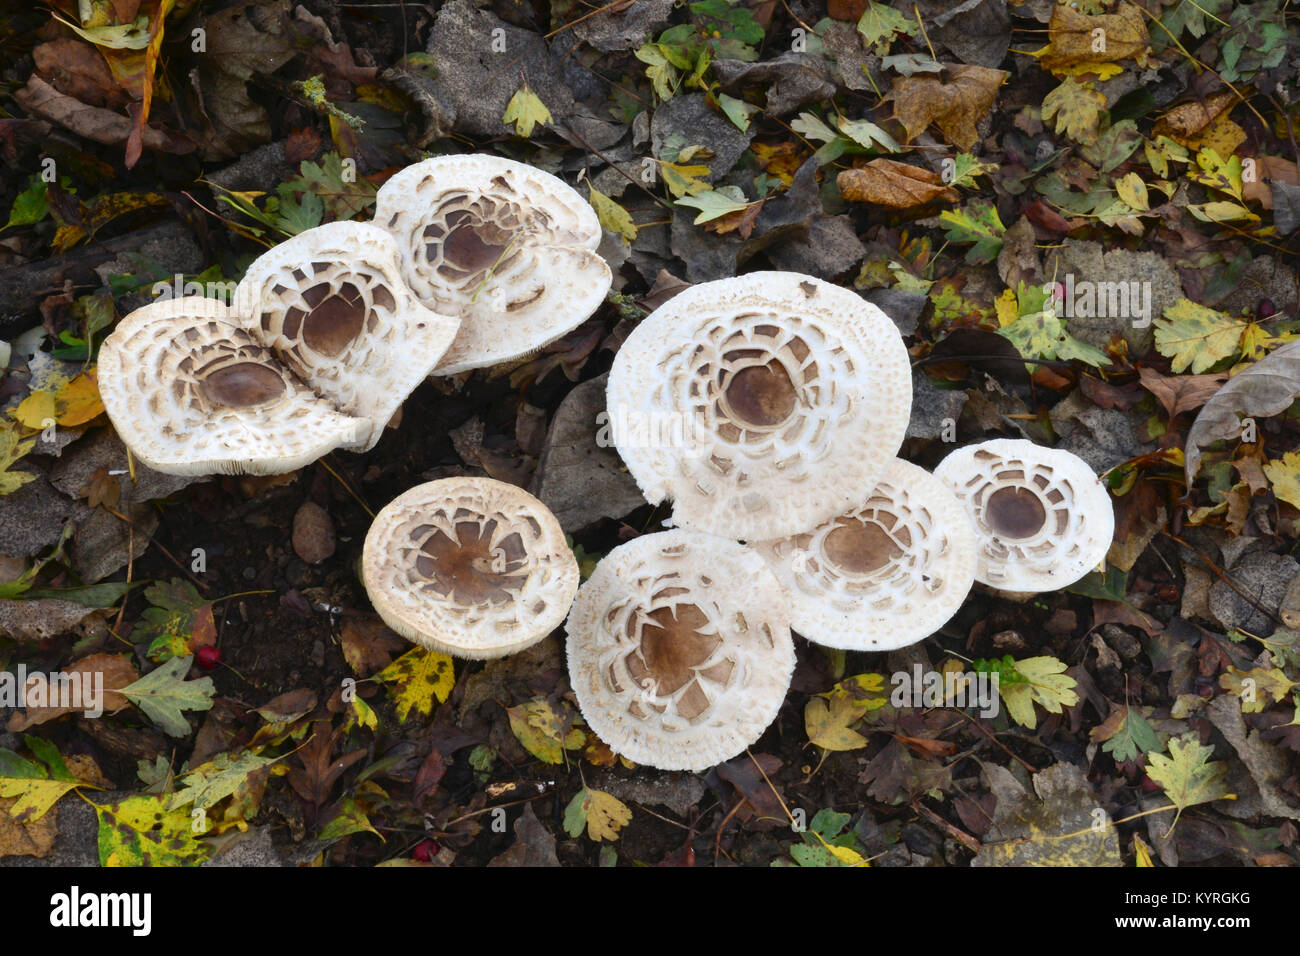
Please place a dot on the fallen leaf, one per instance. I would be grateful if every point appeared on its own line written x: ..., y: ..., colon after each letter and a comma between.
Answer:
x: 1187, y: 775
x: 422, y: 676
x: 541, y: 729
x: 141, y: 831
x: 955, y: 102
x: 164, y: 693
x: 1076, y: 108
x: 1180, y: 393
x: 1284, y: 476
x: 1196, y: 336
x: 887, y: 182
x: 601, y: 813
x: 109, y: 673
x: 1081, y: 42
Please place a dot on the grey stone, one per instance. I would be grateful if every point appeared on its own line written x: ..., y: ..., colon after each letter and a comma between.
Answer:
x: 699, y: 124
x: 1262, y: 575
x: 904, y: 308
x: 32, y: 518
x: 105, y: 450
x: 679, y: 792
x: 254, y: 848
x: 477, y: 82
x: 1264, y: 278
x: 259, y: 168
x: 931, y: 406
x: 830, y: 249
x: 1103, y: 437
x: 625, y: 29
x: 77, y: 842
x: 790, y: 81
x: 580, y: 480
x: 853, y: 63
x: 977, y: 31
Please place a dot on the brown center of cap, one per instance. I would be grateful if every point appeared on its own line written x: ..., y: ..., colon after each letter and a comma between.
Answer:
x: 471, y: 569
x: 243, y: 385
x: 466, y: 245
x: 860, y: 547
x: 334, y: 320
x: 671, y: 653
x: 761, y: 395
x: 1014, y: 513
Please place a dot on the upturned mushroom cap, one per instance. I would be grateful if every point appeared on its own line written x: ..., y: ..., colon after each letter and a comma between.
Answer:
x: 190, y: 392
x: 679, y: 649
x: 886, y: 574
x: 761, y: 405
x: 506, y: 247
x: 332, y: 305
x: 470, y: 567
x: 1043, y: 519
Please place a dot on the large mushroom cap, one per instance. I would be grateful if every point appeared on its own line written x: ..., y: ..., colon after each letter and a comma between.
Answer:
x: 886, y: 574
x: 470, y: 567
x: 761, y: 405
x: 508, y: 248
x: 679, y: 649
x: 332, y: 305
x: 1043, y: 519
x: 190, y: 392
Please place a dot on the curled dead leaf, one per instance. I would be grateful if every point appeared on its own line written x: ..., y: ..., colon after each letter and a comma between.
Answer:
x: 954, y: 101
x: 887, y: 182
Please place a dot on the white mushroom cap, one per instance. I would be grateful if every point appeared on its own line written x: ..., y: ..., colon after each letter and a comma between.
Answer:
x: 885, y: 574
x: 332, y: 305
x: 761, y: 405
x: 679, y: 649
x: 470, y: 567
x: 508, y: 248
x: 191, y: 393
x: 1043, y: 519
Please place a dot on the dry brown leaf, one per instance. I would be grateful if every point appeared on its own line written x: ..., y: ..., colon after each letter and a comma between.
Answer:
x: 1181, y: 393
x: 76, y: 69
x: 886, y: 182
x: 1187, y: 119
x: 117, y: 671
x: 38, y: 98
x: 1269, y: 169
x: 1075, y: 42
x: 954, y: 101
x: 368, y: 644
x: 30, y: 837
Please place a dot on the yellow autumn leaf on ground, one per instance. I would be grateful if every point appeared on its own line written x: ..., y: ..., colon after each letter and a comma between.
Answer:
x: 36, y: 411
x: 526, y: 110
x: 1045, y: 683
x: 1187, y: 775
x: 601, y: 813
x: 1255, y: 686
x: 141, y: 831
x: 422, y: 676
x: 828, y: 723
x: 1133, y: 191
x: 1282, y: 473
x: 539, y: 727
x: 12, y: 449
x: 1195, y: 336
x: 1142, y: 852
x: 684, y: 180
x: 612, y: 216
x: 1082, y: 43
x: 1007, y: 308
x: 1076, y: 108
x: 78, y: 402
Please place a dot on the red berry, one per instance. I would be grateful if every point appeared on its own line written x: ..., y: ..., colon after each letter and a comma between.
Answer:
x: 425, y: 851
x: 1265, y: 308
x: 209, y: 656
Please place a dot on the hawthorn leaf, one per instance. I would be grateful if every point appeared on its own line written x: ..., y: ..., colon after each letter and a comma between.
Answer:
x: 612, y: 215
x: 526, y: 110
x: 421, y: 677
x: 1076, y: 109
x: 1195, y: 336
x: 977, y: 223
x: 1126, y: 734
x: 1187, y: 775
x: 164, y: 694
x: 601, y: 813
x: 12, y: 449
x: 1042, y: 682
x: 141, y: 831
x: 217, y: 779
x: 540, y: 728
x: 715, y: 203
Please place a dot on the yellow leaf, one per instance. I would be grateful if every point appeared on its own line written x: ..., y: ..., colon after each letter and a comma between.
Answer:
x: 1196, y: 336
x: 1142, y: 852
x: 846, y: 855
x: 538, y: 726
x: 1133, y: 191
x: 1187, y: 775
x: 36, y: 411
x: 612, y: 216
x: 606, y: 815
x: 1045, y: 684
x: 35, y: 796
x: 526, y: 110
x: 78, y: 402
x: 12, y: 449
x: 1284, y: 475
x: 828, y: 724
x: 1221, y: 211
x: 1077, y: 110
x: 1007, y: 308
x: 422, y: 676
x: 684, y: 180
x: 1256, y: 685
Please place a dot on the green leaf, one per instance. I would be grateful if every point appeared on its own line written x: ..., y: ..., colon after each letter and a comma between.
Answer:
x: 179, y: 621
x: 1135, y: 736
x: 1044, y: 683
x: 660, y: 72
x: 223, y: 775
x: 35, y: 788
x: 602, y: 814
x: 31, y: 205
x: 351, y: 818
x: 868, y: 135
x: 299, y: 215
x: 880, y: 24
x: 164, y: 693
x: 1195, y: 336
x: 977, y: 223
x: 526, y: 110
x: 738, y: 111
x: 716, y: 203
x: 612, y: 216
x: 1041, y: 335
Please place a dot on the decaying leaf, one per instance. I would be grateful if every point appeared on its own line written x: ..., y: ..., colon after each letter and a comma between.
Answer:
x: 1187, y: 775
x: 887, y: 182
x: 955, y: 101
x: 601, y: 813
x: 421, y: 676
x: 1195, y: 336
x: 141, y: 831
x: 545, y: 732
x: 164, y: 694
x: 1082, y: 42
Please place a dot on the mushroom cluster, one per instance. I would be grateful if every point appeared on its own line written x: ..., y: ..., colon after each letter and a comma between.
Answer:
x: 470, y: 261
x: 769, y: 409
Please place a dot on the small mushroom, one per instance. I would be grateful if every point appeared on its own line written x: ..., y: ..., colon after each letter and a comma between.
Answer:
x: 761, y: 405
x: 1043, y: 519
x: 470, y: 567
x: 507, y: 248
x: 679, y: 649
x: 332, y: 305
x: 191, y: 392
x: 886, y: 574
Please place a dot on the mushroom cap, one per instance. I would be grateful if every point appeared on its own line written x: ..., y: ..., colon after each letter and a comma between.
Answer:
x: 191, y: 392
x: 885, y: 574
x: 332, y: 305
x: 1043, y: 519
x: 507, y: 248
x: 471, y: 567
x: 761, y: 405
x: 679, y: 649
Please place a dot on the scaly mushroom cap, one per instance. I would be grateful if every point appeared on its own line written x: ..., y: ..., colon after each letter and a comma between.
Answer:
x: 506, y: 247
x: 190, y: 392
x: 886, y: 574
x: 679, y: 649
x: 470, y: 567
x: 1043, y: 519
x: 761, y: 405
x: 332, y: 305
